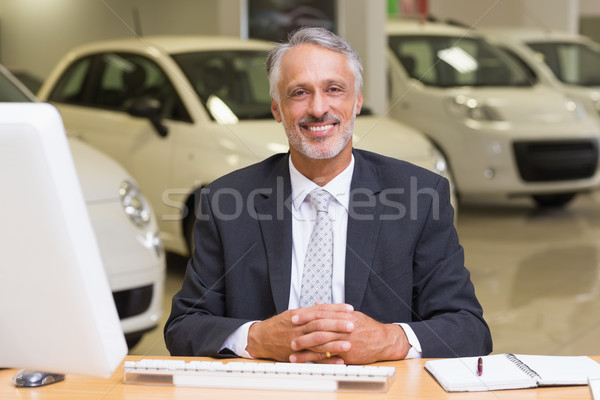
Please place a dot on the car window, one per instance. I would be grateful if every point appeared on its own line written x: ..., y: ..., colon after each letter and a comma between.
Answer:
x: 572, y: 63
x: 446, y: 61
x: 236, y: 78
x: 517, y: 58
x: 113, y: 80
x: 31, y: 82
x: 69, y: 88
x: 125, y: 77
x: 9, y: 92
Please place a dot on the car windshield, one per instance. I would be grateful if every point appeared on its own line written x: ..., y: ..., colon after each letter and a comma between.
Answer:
x: 229, y: 83
x: 446, y: 61
x: 572, y: 63
x: 9, y: 92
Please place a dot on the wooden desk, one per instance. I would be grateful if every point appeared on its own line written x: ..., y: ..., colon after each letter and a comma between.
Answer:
x: 411, y: 382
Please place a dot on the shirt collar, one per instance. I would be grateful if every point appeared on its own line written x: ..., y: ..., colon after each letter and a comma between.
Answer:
x: 338, y: 187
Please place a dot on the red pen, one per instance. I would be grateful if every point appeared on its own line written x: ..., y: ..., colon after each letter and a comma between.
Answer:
x: 479, y: 366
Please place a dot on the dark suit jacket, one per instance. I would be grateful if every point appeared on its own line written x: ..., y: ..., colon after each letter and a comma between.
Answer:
x: 403, y: 260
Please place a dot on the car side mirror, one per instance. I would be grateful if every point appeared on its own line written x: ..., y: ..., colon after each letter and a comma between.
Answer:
x: 147, y: 107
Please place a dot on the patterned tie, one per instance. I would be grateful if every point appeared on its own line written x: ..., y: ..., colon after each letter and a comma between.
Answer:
x: 318, y: 264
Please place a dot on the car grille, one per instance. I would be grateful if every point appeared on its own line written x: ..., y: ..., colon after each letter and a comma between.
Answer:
x: 556, y: 160
x: 133, y: 301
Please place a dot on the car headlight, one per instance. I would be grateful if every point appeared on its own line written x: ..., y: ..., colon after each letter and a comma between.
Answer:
x: 468, y: 107
x: 441, y: 167
x: 597, y: 106
x: 595, y: 98
x: 440, y: 164
x: 134, y: 204
x: 576, y: 108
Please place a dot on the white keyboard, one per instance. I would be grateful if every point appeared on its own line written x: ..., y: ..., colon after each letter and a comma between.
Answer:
x: 259, y: 375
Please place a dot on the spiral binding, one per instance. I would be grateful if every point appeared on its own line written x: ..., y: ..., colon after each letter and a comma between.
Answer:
x: 522, y: 366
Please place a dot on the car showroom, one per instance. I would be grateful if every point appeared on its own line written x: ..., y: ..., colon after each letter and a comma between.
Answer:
x: 160, y: 98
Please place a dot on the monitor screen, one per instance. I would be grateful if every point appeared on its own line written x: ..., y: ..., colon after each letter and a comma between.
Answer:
x: 56, y: 306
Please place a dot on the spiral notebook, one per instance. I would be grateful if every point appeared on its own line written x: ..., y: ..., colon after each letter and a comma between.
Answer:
x: 510, y: 371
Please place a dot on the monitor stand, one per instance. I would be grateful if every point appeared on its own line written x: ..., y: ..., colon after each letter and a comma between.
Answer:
x: 26, y: 378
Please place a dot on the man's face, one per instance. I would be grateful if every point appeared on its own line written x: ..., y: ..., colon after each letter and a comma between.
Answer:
x: 318, y: 101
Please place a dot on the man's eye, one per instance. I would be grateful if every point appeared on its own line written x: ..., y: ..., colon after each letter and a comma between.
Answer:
x: 298, y: 93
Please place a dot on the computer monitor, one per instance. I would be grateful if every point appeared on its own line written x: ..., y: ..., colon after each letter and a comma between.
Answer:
x: 56, y: 308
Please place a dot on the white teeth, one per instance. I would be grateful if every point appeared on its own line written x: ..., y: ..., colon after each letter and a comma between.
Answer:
x: 320, y: 128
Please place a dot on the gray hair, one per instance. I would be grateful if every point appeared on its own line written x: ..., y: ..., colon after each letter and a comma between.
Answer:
x: 318, y: 37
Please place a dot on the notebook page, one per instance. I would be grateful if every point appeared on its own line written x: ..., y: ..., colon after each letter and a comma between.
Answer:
x: 562, y: 370
x: 460, y: 374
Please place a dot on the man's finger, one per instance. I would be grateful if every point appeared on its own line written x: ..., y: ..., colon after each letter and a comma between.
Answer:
x: 328, y: 325
x: 322, y: 342
x: 322, y: 311
x: 311, y: 356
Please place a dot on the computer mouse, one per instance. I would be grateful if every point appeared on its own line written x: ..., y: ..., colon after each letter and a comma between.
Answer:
x: 25, y: 378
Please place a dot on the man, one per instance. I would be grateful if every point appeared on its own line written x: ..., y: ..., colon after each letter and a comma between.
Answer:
x: 383, y: 280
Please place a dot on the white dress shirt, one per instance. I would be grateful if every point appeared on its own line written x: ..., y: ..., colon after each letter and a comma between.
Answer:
x: 303, y: 220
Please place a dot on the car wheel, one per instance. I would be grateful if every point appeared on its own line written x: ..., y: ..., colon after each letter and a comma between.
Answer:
x: 553, y: 200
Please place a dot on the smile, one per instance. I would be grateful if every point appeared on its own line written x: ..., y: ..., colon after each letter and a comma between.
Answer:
x: 320, y: 128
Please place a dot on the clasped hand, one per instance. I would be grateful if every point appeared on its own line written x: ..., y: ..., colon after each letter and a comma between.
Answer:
x: 330, y: 333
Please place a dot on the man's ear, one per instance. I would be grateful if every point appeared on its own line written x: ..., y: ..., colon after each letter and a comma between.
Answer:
x: 359, y: 103
x: 275, y: 110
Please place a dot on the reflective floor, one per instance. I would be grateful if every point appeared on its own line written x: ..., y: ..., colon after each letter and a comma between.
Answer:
x: 536, y: 273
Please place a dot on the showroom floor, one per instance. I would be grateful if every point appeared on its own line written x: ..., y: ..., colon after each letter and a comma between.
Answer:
x: 536, y: 273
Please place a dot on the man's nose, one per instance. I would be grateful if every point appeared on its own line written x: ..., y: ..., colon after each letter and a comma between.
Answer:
x: 318, y: 105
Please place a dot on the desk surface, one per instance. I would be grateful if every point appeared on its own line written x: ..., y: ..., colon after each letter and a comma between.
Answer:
x: 411, y: 382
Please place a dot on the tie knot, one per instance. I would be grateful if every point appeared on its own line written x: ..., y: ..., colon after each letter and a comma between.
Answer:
x: 319, y: 198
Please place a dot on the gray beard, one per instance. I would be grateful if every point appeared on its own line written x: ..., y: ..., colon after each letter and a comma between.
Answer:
x: 311, y: 148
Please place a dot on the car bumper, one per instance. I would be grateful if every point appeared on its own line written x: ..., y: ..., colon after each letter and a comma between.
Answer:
x: 497, y: 159
x: 135, y: 264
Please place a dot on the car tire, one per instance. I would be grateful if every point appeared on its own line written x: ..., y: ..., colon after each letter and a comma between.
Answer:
x: 553, y: 200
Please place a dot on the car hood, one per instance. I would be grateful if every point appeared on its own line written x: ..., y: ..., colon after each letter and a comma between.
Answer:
x: 374, y: 133
x: 538, y: 104
x: 386, y: 136
x: 99, y: 175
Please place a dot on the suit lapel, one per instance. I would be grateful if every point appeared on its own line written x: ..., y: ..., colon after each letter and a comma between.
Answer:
x: 275, y: 221
x: 363, y: 229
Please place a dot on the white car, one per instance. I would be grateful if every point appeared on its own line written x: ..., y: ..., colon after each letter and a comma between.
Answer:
x: 179, y: 112
x: 125, y: 228
x: 502, y: 134
x: 569, y: 61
